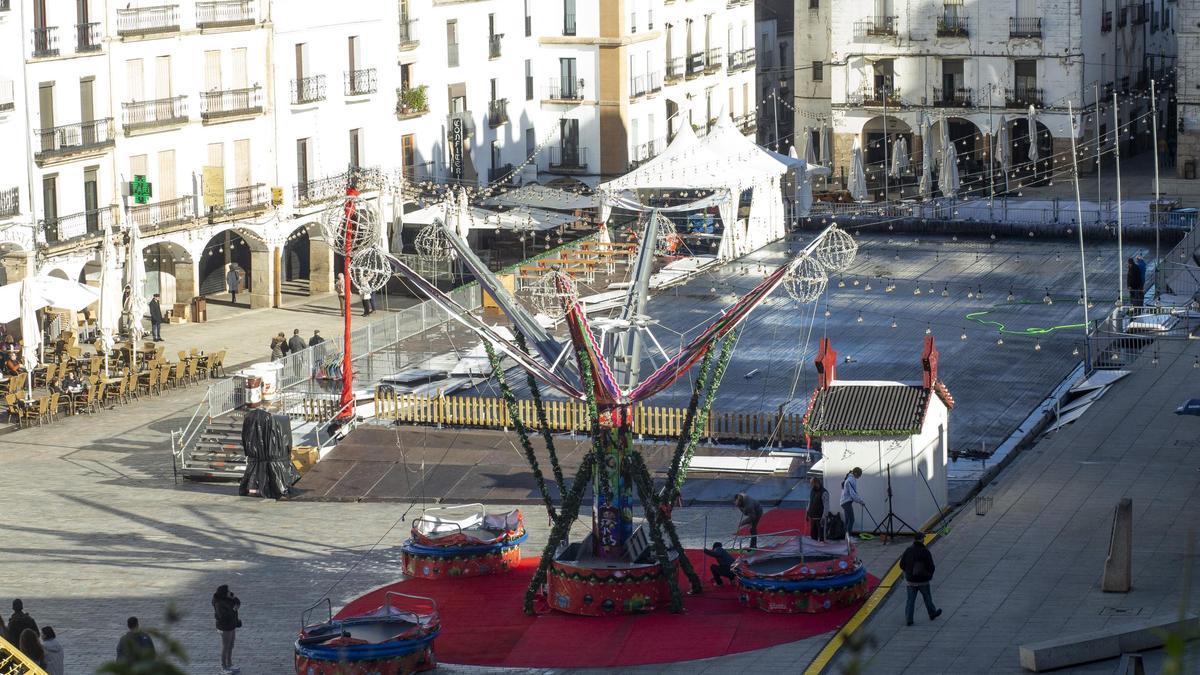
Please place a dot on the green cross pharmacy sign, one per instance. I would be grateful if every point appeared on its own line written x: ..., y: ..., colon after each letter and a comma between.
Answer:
x: 141, y: 190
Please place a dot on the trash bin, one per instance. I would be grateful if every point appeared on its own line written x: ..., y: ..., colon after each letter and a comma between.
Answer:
x: 254, y: 388
x: 1189, y: 169
x: 199, y: 309
x: 269, y: 373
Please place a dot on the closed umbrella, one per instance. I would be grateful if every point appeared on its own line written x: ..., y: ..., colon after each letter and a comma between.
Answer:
x: 858, y: 177
x: 948, y: 171
x: 109, y: 315
x: 135, y: 278
x: 810, y: 153
x: 1033, y: 145
x: 31, y: 331
x: 826, y: 145
x: 926, y: 183
x: 899, y: 157
x: 1004, y: 150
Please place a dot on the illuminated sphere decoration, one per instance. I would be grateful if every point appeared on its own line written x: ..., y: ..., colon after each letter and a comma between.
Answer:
x: 370, y: 270
x: 836, y: 250
x: 553, y: 294
x: 364, y: 225
x: 432, y: 244
x: 806, y: 280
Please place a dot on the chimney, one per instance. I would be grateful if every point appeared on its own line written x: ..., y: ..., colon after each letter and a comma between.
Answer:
x: 826, y: 363
x: 929, y: 363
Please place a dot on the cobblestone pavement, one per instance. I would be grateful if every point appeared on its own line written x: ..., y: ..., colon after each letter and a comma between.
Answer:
x: 96, y: 531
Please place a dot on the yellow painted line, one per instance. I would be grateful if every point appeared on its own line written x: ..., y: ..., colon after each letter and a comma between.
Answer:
x: 825, y: 656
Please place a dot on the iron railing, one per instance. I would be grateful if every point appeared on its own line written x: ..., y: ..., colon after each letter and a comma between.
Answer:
x: 675, y: 68
x: 308, y: 89
x: 653, y: 82
x: 1025, y: 27
x: 497, y: 112
x: 408, y: 104
x: 747, y: 122
x: 224, y: 13
x: 10, y: 202
x: 749, y: 58
x: 4, y: 5
x: 875, y: 96
x: 959, y: 97
x: 246, y: 199
x: 230, y: 102
x: 87, y: 37
x: 77, y: 137
x: 695, y: 63
x: 1023, y: 96
x: 563, y: 90
x: 360, y: 82
x: 150, y: 218
x: 45, y: 41
x: 952, y: 26
x: 61, y: 229
x: 419, y: 171
x: 6, y: 95
x: 713, y: 60
x: 138, y: 115
x: 328, y: 188
x: 568, y: 158
x: 1138, y: 13
x: 876, y: 26
x: 408, y: 34
x: 637, y: 86
x: 1106, y: 21
x: 452, y: 55
x: 494, y: 45
x: 147, y: 20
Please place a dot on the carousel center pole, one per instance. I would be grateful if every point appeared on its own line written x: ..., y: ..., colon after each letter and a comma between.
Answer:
x: 345, y: 407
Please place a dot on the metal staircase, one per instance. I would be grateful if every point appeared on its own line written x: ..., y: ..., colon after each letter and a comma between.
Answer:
x: 13, y: 662
x: 217, y: 453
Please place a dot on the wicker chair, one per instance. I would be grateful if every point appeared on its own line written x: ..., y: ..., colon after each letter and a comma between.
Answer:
x: 52, y: 407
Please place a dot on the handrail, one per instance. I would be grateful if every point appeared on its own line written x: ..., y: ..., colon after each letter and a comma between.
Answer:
x: 305, y: 613
x: 331, y: 418
x: 13, y: 662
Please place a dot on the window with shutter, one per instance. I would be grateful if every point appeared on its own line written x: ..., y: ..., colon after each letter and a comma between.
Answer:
x: 164, y: 187
x: 212, y: 70
x: 133, y: 80
x: 241, y: 161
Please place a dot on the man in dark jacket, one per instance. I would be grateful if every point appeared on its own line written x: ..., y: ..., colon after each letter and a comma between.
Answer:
x: 135, y: 645
x: 751, y: 513
x: 296, y: 344
x: 316, y: 339
x: 156, y: 318
x: 19, y: 622
x: 724, y: 564
x: 918, y: 567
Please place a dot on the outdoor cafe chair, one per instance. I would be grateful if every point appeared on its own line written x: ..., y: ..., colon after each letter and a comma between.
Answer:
x: 52, y: 406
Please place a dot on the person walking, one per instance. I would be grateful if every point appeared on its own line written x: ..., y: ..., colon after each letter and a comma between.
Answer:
x: 156, y: 318
x: 850, y: 497
x: 724, y: 565
x: 54, y: 652
x: 339, y: 287
x: 818, y: 509
x: 296, y: 344
x: 751, y: 513
x: 19, y: 622
x: 1135, y: 279
x: 316, y: 339
x: 368, y: 303
x: 278, y: 347
x: 135, y: 645
x: 917, y: 565
x: 31, y: 647
x: 233, y: 280
x: 225, y: 610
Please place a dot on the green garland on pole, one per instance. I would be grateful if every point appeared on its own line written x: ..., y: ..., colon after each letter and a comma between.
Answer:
x: 636, y: 468
x: 702, y: 417
x: 589, y: 390
x: 562, y: 527
x: 671, y: 491
x: 538, y: 406
x: 511, y: 403
x: 645, y: 484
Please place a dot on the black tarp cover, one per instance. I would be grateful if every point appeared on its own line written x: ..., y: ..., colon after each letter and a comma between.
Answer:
x: 267, y: 442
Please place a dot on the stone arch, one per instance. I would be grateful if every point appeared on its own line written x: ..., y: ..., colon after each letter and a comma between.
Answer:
x: 58, y: 273
x: 878, y: 153
x: 13, y: 261
x: 970, y: 144
x: 248, y: 252
x: 170, y: 272
x: 304, y: 259
x: 1022, y: 171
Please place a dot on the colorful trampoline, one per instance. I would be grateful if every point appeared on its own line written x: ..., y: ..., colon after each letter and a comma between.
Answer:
x: 463, y: 541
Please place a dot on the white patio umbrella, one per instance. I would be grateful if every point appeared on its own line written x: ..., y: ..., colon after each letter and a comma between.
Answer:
x: 1033, y: 145
x: 926, y: 183
x: 858, y: 177
x: 109, y: 315
x: 31, y: 331
x: 1004, y: 150
x: 135, y: 278
x: 46, y: 292
x: 899, y: 157
x: 948, y: 171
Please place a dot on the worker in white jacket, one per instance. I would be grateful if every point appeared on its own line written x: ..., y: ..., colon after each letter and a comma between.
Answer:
x: 850, y: 497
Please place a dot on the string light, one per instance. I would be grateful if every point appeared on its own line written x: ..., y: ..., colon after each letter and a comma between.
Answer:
x: 860, y: 317
x: 893, y: 322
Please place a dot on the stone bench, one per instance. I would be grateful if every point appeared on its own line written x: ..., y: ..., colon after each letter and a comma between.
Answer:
x: 1109, y: 643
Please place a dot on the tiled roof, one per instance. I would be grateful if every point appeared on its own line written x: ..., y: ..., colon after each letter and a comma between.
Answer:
x: 867, y: 410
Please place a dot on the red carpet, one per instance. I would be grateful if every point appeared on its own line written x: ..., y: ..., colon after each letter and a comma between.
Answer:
x: 780, y: 520
x: 483, y: 625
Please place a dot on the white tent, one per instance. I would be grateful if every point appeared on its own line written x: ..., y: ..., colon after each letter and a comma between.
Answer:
x: 542, y: 197
x: 718, y: 168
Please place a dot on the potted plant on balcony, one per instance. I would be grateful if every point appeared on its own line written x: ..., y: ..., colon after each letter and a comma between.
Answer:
x: 413, y: 100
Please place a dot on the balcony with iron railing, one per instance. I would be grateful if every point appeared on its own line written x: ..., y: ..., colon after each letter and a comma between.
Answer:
x: 713, y: 60
x: 230, y: 103
x: 247, y: 199
x: 877, y: 26
x: 643, y: 152
x: 328, y: 188
x: 419, y: 171
x: 952, y: 26
x: 637, y: 86
x: 958, y: 97
x: 137, y: 21
x: 653, y: 82
x: 734, y: 60
x: 749, y: 58
x: 872, y: 96
x: 1023, y: 96
x: 494, y: 44
x: 1138, y: 13
x: 568, y: 159
x: 224, y: 13
x: 73, y: 139
x: 1025, y: 27
x: 155, y: 114
x: 360, y: 82
x: 45, y: 42
x: 1122, y: 17
x: 675, y: 69
x: 88, y: 37
x: 77, y: 226
x: 695, y: 64
x: 1106, y: 21
x: 162, y: 215
x: 497, y: 112
x: 7, y: 102
x: 408, y: 34
x: 560, y: 90
x: 5, y: 5
x: 412, y: 102
x: 747, y: 122
x: 10, y: 202
x: 310, y: 89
